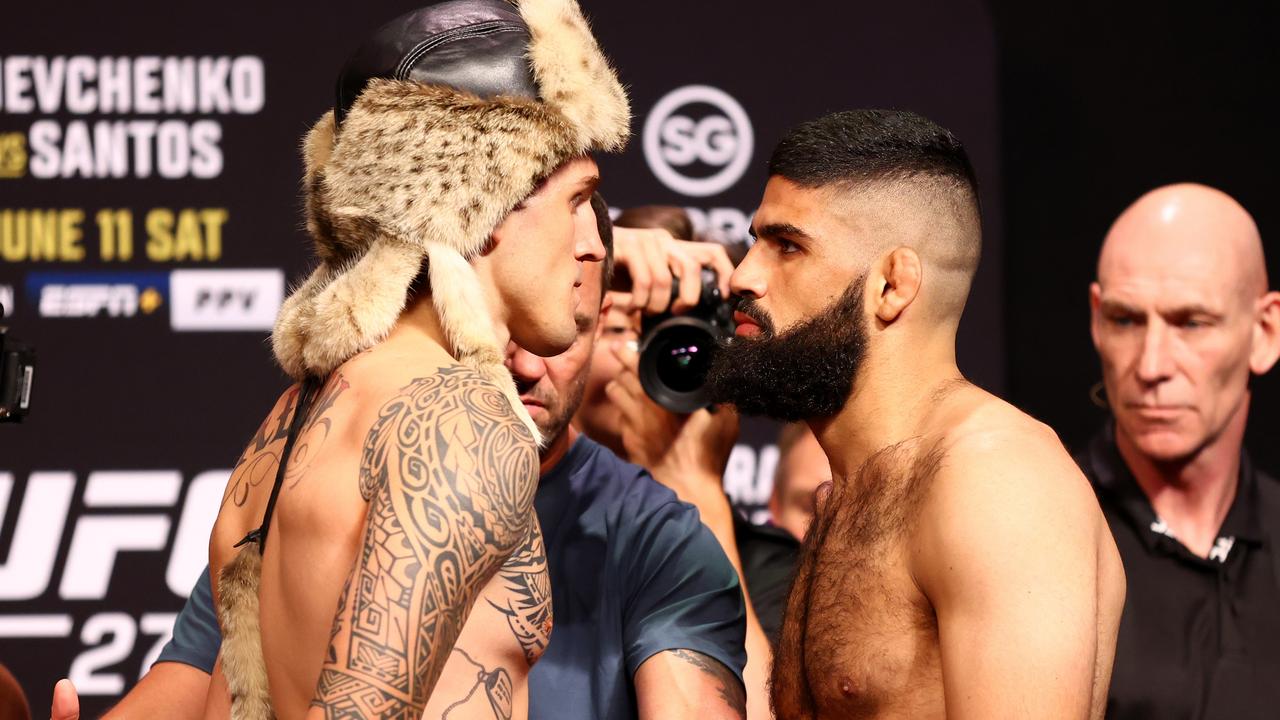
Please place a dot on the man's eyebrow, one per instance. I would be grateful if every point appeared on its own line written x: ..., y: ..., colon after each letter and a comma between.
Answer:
x: 1120, y: 307
x: 590, y: 183
x: 778, y: 230
x: 1189, y: 309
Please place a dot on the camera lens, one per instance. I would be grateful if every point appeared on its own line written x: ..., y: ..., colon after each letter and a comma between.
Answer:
x: 674, y: 362
x: 676, y: 350
x: 683, y: 356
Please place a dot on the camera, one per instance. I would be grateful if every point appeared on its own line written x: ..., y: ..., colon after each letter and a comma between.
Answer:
x: 17, y: 366
x: 676, y: 350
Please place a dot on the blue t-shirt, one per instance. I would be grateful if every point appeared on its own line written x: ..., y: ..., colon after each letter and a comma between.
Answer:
x: 196, y: 635
x: 633, y: 571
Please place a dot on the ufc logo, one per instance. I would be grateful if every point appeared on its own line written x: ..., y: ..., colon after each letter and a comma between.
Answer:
x: 98, y: 536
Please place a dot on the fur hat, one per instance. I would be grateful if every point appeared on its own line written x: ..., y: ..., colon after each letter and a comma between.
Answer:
x: 432, y: 153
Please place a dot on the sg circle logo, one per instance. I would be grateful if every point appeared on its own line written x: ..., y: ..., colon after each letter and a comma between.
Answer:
x: 676, y: 140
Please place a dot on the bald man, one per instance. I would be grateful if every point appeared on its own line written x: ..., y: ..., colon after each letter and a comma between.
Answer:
x: 960, y: 566
x: 1182, y: 318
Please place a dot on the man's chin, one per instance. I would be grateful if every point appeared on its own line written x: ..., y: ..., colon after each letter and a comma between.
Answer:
x: 1165, y: 444
x: 549, y: 342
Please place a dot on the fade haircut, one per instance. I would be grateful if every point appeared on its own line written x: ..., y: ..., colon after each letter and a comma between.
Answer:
x: 855, y: 149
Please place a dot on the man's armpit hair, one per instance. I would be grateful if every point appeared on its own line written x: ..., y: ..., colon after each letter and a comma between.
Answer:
x: 450, y: 473
x: 727, y: 683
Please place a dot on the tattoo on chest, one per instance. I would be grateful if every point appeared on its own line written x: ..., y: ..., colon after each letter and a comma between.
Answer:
x: 528, y: 602
x: 492, y: 687
x: 450, y: 474
x: 727, y: 683
x: 260, y: 460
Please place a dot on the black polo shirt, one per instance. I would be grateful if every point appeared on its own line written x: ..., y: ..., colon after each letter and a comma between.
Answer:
x: 1199, y: 638
x: 769, y: 557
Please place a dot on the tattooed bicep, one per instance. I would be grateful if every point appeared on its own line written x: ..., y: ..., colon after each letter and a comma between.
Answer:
x: 717, y: 677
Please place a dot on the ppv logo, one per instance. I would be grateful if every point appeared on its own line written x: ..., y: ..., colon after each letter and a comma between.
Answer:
x: 698, y: 127
x: 83, y: 295
x: 225, y: 299
x: 6, y: 301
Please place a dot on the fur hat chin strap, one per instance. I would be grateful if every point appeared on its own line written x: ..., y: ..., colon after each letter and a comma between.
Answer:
x: 464, y: 315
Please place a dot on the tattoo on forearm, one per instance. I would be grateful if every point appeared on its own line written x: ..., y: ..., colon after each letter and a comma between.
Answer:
x: 450, y: 473
x: 497, y: 687
x: 260, y: 459
x: 728, y: 684
x: 528, y: 607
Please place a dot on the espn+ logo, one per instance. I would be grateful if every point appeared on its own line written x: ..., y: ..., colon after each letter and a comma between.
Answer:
x: 698, y: 140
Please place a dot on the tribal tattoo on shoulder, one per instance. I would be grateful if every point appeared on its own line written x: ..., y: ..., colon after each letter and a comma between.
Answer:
x: 261, y: 457
x: 727, y: 683
x: 450, y: 474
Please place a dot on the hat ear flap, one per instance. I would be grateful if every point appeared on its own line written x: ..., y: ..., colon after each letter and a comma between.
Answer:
x: 291, y: 332
x: 468, y: 326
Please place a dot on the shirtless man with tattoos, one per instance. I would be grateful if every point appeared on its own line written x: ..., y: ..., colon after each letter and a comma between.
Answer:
x: 649, y: 612
x: 958, y: 566
x: 377, y: 540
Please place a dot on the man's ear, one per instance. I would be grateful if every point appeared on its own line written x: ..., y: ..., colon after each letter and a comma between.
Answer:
x: 1095, y: 312
x: 900, y: 277
x: 1266, y: 334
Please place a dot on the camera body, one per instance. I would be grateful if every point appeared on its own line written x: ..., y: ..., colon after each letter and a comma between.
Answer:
x: 17, y: 366
x: 676, y: 350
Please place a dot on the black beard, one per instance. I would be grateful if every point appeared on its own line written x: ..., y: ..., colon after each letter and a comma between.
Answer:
x: 806, y: 372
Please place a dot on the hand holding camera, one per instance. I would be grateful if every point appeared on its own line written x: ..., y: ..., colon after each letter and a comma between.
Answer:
x: 683, y: 288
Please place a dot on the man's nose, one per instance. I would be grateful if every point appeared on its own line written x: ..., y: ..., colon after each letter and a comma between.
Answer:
x: 748, y: 278
x: 587, y: 245
x: 524, y: 365
x: 1155, y: 365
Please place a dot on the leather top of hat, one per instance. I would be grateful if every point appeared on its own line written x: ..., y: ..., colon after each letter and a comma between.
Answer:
x: 478, y: 46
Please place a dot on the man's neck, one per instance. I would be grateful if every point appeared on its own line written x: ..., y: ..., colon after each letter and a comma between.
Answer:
x: 556, y: 449
x: 892, y: 397
x: 1192, y: 496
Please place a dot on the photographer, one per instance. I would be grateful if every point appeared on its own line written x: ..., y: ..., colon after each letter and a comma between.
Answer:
x: 687, y: 451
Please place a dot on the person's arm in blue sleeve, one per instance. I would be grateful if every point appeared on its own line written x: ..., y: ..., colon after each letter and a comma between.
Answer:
x: 176, y: 685
x: 685, y: 622
x: 688, y: 453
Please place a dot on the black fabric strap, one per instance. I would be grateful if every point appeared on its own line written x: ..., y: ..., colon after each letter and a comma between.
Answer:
x: 306, y: 394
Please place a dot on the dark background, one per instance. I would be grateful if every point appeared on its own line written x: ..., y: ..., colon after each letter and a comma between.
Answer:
x: 1102, y: 101
x: 1070, y: 111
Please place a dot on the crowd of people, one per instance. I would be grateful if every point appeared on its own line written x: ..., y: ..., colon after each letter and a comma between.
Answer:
x: 478, y: 511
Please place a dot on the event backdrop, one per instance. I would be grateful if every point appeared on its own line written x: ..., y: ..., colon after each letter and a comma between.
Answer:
x: 150, y: 225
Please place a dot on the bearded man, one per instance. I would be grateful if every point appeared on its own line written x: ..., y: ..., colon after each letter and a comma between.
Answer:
x: 959, y: 565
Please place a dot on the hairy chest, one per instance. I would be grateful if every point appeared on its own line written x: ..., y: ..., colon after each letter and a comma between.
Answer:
x: 863, y: 639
